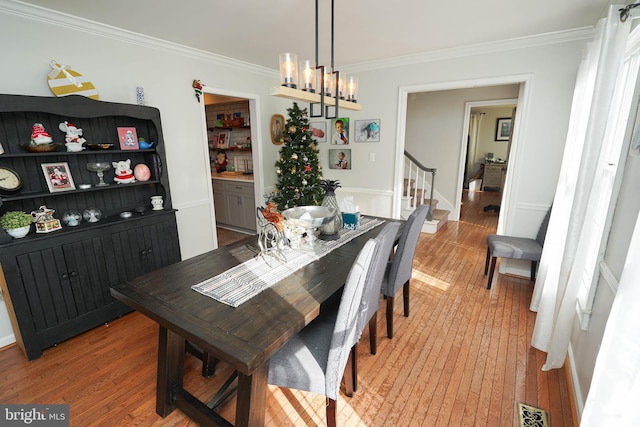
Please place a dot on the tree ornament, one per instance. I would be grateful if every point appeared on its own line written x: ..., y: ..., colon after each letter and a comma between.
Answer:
x: 294, y: 156
x: 293, y: 169
x: 278, y: 171
x: 304, y: 182
x: 307, y: 168
x: 292, y: 129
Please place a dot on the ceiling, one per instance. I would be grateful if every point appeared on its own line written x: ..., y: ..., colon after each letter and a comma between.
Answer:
x: 256, y: 31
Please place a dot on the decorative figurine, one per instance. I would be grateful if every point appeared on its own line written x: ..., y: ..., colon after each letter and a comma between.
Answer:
x: 141, y: 172
x: 45, y: 222
x: 221, y: 161
x: 124, y: 174
x: 39, y: 135
x: 73, y: 137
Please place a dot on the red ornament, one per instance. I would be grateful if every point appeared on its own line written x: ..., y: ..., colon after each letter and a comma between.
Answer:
x: 307, y: 168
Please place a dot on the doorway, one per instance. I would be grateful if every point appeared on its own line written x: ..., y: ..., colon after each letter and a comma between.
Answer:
x: 240, y: 138
x: 451, y: 168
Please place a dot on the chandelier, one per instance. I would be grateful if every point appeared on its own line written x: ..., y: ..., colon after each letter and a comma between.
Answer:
x: 325, y: 89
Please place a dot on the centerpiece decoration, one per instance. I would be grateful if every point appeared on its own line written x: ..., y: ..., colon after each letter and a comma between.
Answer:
x: 298, y: 169
x: 330, y: 229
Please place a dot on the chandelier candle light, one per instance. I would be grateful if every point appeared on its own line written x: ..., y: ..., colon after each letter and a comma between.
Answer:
x: 301, y: 81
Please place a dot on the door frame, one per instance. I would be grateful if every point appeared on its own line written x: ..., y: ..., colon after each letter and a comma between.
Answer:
x: 256, y: 149
x: 524, y: 80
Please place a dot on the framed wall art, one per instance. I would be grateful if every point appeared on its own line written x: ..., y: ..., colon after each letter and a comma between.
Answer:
x: 503, y: 129
x: 340, y: 131
x: 277, y: 129
x: 128, y: 139
x: 339, y: 158
x: 319, y: 130
x: 367, y: 130
x: 58, y: 176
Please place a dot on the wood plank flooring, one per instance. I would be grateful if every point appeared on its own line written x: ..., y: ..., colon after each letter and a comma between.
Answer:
x: 462, y: 357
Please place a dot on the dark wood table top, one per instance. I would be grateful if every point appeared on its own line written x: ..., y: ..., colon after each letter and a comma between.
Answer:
x: 245, y: 336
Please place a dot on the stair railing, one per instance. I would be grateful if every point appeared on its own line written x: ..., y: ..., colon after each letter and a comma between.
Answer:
x: 413, y: 168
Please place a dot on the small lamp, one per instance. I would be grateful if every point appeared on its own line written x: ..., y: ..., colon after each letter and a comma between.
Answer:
x: 328, y: 83
x: 352, y: 89
x: 288, y: 69
x: 307, y: 76
x: 342, y: 85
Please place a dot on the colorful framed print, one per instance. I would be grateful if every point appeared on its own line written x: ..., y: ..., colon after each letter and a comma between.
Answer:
x: 339, y: 158
x: 58, y: 176
x: 319, y: 131
x: 128, y: 139
x: 340, y: 131
x: 367, y: 130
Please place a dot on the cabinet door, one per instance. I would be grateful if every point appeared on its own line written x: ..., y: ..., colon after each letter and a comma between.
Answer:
x: 240, y: 203
x: 219, y: 202
x: 59, y: 291
x: 142, y: 247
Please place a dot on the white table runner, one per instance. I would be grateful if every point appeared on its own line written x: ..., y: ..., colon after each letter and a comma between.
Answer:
x: 246, y: 280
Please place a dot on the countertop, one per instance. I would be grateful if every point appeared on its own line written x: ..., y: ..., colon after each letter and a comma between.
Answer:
x: 239, y: 177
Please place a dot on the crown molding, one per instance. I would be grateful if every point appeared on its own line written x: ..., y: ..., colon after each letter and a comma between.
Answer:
x: 579, y: 34
x: 59, y: 19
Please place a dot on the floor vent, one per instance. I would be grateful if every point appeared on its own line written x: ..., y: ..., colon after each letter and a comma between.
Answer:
x: 530, y: 416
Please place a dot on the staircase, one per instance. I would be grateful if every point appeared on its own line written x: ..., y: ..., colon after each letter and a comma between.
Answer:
x: 418, y: 190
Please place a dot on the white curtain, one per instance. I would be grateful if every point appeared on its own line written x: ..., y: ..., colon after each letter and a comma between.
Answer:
x: 555, y: 295
x: 472, y: 147
x: 615, y: 386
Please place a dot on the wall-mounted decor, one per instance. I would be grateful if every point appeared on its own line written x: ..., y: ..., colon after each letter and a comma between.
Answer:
x: 319, y: 130
x: 128, y: 138
x: 340, y: 131
x: 367, y: 130
x: 277, y: 129
x: 58, y: 176
x: 339, y: 158
x: 503, y: 129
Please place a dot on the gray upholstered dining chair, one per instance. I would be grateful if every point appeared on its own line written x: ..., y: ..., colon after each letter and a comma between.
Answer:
x: 516, y: 248
x: 315, y: 358
x: 371, y: 294
x: 398, y: 273
x: 373, y: 285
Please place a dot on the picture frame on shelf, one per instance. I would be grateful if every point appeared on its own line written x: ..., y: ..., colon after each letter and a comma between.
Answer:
x: 58, y: 176
x: 277, y: 129
x: 128, y: 138
x: 223, y: 139
x: 367, y: 130
x: 319, y: 130
x: 503, y: 128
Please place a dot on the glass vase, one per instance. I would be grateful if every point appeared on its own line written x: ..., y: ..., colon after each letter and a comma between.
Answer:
x: 329, y: 231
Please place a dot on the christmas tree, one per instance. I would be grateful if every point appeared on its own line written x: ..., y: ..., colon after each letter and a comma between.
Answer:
x: 298, y: 170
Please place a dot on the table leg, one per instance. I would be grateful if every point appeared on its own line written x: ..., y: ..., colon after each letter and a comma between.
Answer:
x: 252, y: 397
x: 170, y: 369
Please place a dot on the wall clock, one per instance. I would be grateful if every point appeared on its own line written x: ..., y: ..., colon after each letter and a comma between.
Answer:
x: 10, y: 181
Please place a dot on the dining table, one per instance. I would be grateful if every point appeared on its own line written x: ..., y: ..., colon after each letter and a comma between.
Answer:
x: 245, y: 336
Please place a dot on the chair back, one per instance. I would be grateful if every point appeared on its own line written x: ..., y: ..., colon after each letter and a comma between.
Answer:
x: 542, y: 232
x: 401, y: 266
x: 344, y: 332
x: 372, y: 287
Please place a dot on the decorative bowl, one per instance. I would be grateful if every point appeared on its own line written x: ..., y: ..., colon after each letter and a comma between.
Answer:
x: 19, y: 233
x: 40, y: 148
x: 100, y: 146
x: 308, y: 216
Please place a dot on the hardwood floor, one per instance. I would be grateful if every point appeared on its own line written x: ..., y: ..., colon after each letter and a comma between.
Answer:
x: 462, y: 357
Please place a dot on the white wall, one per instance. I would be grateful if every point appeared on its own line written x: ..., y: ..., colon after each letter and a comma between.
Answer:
x: 116, y: 65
